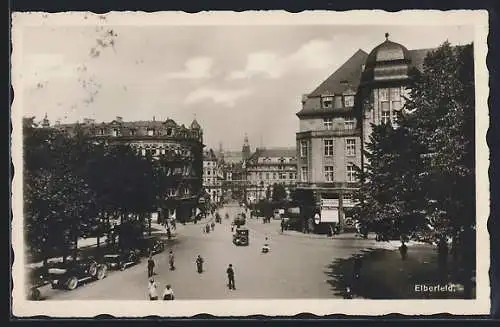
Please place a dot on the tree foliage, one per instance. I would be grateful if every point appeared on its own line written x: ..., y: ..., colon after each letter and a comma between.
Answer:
x: 279, y: 192
x: 71, y: 182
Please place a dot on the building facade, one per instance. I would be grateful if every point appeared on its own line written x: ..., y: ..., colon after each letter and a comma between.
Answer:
x: 179, y: 148
x: 212, y: 176
x: 269, y: 166
x: 335, y: 124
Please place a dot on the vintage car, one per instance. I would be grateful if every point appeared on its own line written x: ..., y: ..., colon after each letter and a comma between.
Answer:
x: 70, y: 274
x: 121, y: 259
x: 240, y: 236
x: 150, y: 245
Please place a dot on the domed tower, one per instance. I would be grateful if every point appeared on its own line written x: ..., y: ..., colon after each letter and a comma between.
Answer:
x: 245, y: 151
x: 383, y: 84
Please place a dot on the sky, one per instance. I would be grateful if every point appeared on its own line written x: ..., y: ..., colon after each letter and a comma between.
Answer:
x: 232, y: 79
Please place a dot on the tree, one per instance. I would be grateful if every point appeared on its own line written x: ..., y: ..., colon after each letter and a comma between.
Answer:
x: 279, y: 192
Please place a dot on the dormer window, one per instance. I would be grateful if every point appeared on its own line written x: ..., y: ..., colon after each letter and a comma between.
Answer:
x: 327, y: 102
x: 132, y: 132
x: 170, y: 131
x: 151, y: 132
x: 349, y: 101
x: 115, y: 132
x: 100, y: 131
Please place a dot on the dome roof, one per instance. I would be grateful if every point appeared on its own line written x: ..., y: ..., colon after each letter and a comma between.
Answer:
x: 388, y: 51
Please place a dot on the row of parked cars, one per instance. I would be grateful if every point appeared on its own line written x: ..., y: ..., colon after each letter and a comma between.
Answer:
x: 73, y: 272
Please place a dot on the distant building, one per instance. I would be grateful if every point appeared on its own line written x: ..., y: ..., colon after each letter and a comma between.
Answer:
x: 269, y: 166
x: 181, y: 149
x: 335, y: 124
x: 212, y: 176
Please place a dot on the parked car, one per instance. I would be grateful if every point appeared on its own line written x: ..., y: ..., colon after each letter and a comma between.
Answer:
x: 70, y: 274
x: 239, y: 220
x: 120, y: 259
x: 150, y: 245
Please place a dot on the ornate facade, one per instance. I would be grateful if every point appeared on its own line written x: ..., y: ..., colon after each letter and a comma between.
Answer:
x: 212, y: 176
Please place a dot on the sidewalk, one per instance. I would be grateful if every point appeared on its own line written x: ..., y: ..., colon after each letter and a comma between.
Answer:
x: 90, y: 243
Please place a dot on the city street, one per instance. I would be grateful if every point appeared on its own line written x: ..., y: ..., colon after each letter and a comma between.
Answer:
x: 296, y: 266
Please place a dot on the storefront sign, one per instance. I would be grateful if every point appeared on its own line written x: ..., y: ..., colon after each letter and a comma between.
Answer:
x: 329, y: 210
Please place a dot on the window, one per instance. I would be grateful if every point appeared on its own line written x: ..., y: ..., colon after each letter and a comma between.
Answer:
x: 383, y: 94
x: 351, y: 174
x: 349, y: 101
x: 290, y: 175
x: 208, y: 172
x: 260, y: 175
x: 395, y: 95
x: 386, y: 117
x: 349, y: 124
x: 384, y: 106
x: 327, y: 102
x: 347, y: 197
x: 303, y: 149
x: 328, y: 123
x: 350, y: 147
x: 328, y: 148
x: 186, y: 191
x: 115, y: 132
x: 303, y: 174
x: 162, y: 151
x: 151, y: 132
x: 143, y: 152
x: 329, y: 173
x: 396, y: 105
x: 101, y: 131
x: 157, y: 152
x: 274, y: 176
x: 170, y: 131
x: 267, y: 175
x: 171, y: 192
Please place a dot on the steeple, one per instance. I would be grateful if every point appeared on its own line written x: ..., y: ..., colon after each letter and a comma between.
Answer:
x: 245, y: 151
x: 45, y: 122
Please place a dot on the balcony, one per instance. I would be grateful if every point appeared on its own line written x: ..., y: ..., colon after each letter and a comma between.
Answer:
x: 328, y: 133
x: 334, y: 185
x: 320, y: 112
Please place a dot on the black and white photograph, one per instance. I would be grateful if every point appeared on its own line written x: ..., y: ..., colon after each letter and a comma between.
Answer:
x: 250, y: 163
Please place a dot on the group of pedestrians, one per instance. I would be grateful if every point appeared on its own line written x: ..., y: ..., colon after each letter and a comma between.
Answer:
x: 168, y: 293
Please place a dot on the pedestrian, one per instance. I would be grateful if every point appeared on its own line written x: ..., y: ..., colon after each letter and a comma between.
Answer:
x: 282, y: 225
x: 168, y: 293
x: 199, y: 264
x: 232, y: 227
x: 213, y: 226
x: 171, y: 260
x: 169, y: 233
x: 207, y: 228
x: 151, y: 266
x: 230, y: 277
x: 152, y: 290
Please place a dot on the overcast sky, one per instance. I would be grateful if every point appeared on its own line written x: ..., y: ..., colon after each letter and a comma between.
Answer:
x: 234, y: 79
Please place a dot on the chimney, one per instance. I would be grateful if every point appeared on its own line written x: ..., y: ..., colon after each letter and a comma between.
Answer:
x: 119, y: 119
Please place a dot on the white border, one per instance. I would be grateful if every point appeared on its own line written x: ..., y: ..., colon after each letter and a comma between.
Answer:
x: 478, y: 19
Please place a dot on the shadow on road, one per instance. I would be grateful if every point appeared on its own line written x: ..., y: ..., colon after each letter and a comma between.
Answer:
x: 384, y: 275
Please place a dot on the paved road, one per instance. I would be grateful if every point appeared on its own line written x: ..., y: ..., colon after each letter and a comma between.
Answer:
x: 296, y: 267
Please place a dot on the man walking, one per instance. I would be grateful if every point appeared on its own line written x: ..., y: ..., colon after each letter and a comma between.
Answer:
x: 230, y: 277
x: 151, y: 266
x: 152, y: 290
x: 171, y: 260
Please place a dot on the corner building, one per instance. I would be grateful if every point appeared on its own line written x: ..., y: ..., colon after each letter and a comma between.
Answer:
x: 335, y: 125
x: 180, y: 148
